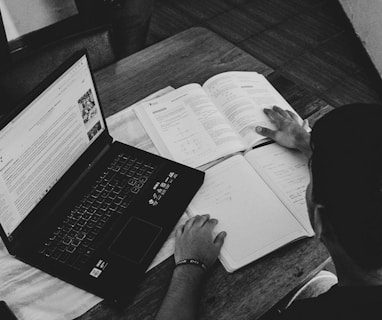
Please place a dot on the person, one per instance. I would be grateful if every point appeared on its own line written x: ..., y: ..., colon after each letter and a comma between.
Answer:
x: 344, y: 201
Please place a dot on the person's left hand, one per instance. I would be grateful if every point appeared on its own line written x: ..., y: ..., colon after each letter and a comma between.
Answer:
x: 289, y: 131
x: 195, y: 240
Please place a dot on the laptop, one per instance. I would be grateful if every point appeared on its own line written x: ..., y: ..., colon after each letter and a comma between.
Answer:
x: 76, y: 204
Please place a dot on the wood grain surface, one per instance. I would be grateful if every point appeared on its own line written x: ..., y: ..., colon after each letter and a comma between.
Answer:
x: 193, y: 56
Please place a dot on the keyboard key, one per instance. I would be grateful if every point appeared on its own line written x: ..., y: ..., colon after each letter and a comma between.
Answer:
x: 135, y: 190
x: 75, y: 242
x: 64, y: 257
x: 66, y: 240
x: 56, y: 255
x: 70, y: 249
x: 81, y: 236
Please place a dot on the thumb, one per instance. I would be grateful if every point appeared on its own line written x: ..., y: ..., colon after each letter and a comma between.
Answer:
x: 219, y: 240
x: 179, y: 231
x: 266, y: 132
x: 305, y: 124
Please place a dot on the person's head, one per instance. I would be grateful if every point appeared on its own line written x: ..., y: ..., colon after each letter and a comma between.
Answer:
x: 346, y: 168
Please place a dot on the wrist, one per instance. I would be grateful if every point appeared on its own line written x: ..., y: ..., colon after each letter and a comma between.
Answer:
x: 303, y: 143
x: 188, y: 272
x: 194, y: 262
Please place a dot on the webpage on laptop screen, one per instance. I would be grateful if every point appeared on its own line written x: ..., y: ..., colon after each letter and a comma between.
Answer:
x: 44, y: 140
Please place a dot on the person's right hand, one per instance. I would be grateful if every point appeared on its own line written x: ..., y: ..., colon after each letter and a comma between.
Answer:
x: 195, y: 240
x: 289, y: 131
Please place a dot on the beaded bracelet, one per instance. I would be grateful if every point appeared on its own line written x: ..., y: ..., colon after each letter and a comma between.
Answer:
x: 191, y: 261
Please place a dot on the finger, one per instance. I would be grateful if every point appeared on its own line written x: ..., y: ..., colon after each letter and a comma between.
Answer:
x: 270, y: 114
x: 190, y: 222
x: 266, y: 132
x: 274, y: 116
x: 219, y: 240
x: 292, y: 115
x: 197, y: 220
x: 179, y: 231
x: 213, y: 222
x: 280, y: 111
x: 305, y: 124
x: 203, y: 219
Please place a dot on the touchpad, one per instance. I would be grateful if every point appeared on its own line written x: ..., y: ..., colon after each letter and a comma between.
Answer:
x: 135, y: 240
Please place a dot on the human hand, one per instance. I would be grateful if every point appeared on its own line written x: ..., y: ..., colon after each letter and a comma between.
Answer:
x: 289, y: 132
x: 194, y: 240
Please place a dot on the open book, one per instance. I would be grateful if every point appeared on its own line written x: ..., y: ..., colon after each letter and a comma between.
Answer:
x: 258, y: 195
x: 259, y: 200
x: 195, y: 124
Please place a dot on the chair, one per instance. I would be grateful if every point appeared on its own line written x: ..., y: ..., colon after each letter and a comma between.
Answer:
x: 129, y: 20
x: 22, y: 75
x: 109, y: 29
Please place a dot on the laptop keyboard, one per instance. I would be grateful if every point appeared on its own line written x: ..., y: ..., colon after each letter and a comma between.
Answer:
x: 78, y: 236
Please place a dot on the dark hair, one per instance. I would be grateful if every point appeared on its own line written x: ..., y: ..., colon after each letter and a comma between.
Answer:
x: 347, y: 178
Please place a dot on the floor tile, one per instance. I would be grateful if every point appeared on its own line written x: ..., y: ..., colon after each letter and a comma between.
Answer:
x: 236, y: 25
x: 314, y: 71
x: 201, y: 9
x: 167, y: 21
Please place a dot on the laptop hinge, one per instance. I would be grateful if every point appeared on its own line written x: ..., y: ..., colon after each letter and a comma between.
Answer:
x: 80, y: 178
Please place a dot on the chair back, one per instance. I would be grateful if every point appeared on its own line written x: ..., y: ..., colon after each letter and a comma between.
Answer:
x: 108, y: 29
x: 22, y: 76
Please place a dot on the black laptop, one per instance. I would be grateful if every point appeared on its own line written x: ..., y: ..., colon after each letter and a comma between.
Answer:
x: 77, y: 205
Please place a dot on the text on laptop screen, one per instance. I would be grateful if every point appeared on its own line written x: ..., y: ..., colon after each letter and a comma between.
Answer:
x: 41, y: 143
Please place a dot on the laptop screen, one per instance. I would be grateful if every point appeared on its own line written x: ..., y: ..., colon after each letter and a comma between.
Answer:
x: 43, y: 141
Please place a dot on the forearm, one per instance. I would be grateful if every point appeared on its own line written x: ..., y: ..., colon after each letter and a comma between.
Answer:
x: 182, y: 296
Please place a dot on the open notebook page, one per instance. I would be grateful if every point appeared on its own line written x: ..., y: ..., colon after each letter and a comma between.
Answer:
x: 286, y: 172
x: 255, y: 220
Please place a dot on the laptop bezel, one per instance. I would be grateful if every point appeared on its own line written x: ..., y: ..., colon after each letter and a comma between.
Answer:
x: 84, y: 163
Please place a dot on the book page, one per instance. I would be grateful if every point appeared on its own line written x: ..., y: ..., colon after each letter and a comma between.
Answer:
x: 124, y: 126
x: 186, y: 126
x: 286, y: 172
x: 242, y: 96
x: 255, y: 220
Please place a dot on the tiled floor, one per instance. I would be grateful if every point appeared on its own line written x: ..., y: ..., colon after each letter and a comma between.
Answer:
x: 305, y: 41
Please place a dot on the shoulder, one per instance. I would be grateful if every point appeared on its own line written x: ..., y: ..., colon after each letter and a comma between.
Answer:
x: 338, y: 303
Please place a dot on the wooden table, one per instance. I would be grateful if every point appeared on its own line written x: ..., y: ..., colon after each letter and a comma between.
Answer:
x: 193, y: 56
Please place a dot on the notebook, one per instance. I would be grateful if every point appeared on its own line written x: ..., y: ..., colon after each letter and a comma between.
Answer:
x: 76, y: 204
